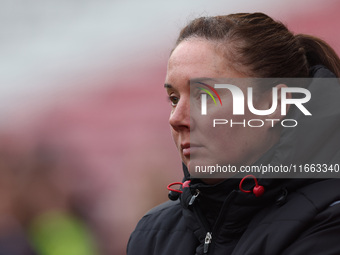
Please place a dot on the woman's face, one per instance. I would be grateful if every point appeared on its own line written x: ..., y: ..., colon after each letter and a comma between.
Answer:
x: 196, y: 140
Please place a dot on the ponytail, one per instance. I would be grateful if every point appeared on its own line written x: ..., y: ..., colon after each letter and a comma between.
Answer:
x: 318, y: 52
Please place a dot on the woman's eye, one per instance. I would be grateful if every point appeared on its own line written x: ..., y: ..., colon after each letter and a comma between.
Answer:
x: 174, y: 100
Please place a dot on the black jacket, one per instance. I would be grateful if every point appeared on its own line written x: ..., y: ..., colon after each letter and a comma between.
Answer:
x: 293, y: 216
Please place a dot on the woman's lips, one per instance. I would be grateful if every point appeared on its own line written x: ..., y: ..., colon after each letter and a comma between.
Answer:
x: 186, y: 152
x: 185, y: 149
x: 188, y: 148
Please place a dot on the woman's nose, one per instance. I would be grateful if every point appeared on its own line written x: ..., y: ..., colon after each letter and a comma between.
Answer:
x: 180, y: 115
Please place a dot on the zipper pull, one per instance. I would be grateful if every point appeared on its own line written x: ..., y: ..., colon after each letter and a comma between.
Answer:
x: 192, y: 200
x: 207, y: 242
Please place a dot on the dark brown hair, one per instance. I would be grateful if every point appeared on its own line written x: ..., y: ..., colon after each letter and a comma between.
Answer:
x: 264, y: 46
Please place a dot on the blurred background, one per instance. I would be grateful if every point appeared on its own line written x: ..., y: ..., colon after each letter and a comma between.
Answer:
x: 85, y: 146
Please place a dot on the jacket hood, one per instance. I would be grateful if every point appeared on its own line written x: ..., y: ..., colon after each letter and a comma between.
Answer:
x: 316, y: 138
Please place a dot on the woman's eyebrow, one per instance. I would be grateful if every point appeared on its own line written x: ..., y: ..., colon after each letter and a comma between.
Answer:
x: 203, y: 80
x: 194, y: 80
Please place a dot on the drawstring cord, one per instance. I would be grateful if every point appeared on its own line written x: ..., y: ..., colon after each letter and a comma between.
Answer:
x: 258, y: 190
x: 183, y: 185
x: 174, y: 193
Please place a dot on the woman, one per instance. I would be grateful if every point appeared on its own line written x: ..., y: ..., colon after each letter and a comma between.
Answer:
x: 243, y: 214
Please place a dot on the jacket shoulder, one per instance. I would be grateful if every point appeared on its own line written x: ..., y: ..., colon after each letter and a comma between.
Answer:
x: 163, y: 216
x: 164, y: 207
x: 156, y: 227
x: 310, y: 217
x: 321, y: 234
x: 322, y: 194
